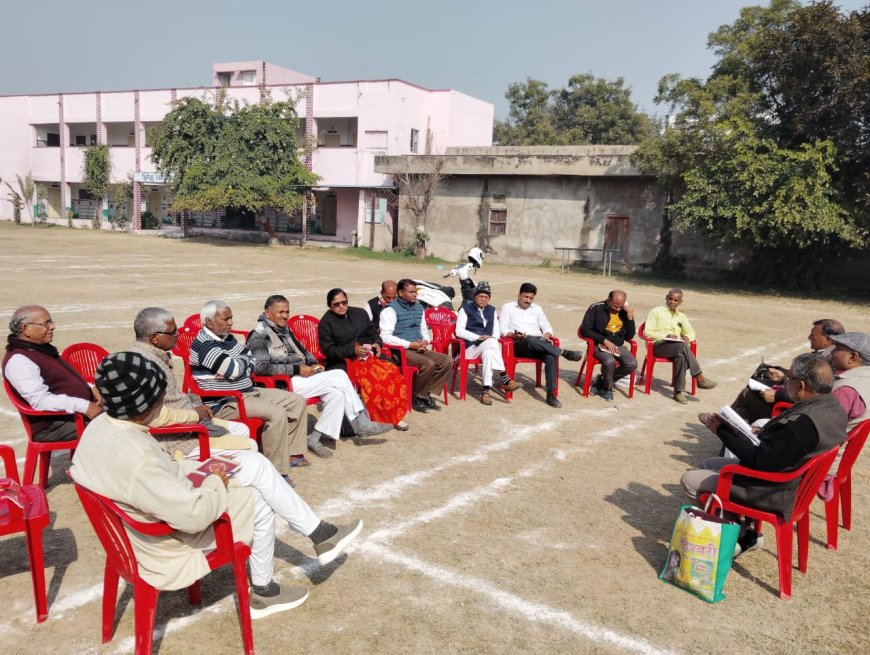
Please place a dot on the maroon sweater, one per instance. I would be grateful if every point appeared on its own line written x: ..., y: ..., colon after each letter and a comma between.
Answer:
x: 58, y: 375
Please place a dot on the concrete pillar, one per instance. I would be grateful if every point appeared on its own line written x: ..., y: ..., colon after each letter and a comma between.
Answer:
x: 65, y: 196
x: 137, y: 187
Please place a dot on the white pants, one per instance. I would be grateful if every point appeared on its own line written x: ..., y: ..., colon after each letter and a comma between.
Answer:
x: 490, y: 354
x: 339, y: 399
x: 272, y: 496
x: 239, y: 429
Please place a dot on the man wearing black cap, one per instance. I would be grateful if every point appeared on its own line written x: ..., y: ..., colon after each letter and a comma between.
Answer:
x: 477, y: 325
x: 117, y: 458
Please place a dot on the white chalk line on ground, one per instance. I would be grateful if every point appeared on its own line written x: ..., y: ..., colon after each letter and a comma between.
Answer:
x: 513, y: 604
x: 391, y: 488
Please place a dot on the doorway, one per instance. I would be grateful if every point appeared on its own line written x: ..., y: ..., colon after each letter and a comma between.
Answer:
x: 616, y: 236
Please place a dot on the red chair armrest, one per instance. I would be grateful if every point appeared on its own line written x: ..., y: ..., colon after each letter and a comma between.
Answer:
x: 7, y: 454
x: 199, y: 430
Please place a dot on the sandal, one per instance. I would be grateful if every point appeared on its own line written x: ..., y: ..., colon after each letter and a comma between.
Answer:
x: 299, y: 460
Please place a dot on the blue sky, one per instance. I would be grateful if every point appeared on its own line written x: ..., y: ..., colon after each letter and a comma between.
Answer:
x: 477, y: 47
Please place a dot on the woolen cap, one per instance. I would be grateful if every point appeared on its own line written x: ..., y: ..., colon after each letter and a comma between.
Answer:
x: 857, y: 342
x: 483, y: 287
x: 129, y: 383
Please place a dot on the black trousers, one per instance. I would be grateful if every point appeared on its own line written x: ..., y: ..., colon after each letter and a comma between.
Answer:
x: 539, y: 348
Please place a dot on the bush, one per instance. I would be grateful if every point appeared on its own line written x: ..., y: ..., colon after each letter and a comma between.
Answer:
x: 149, y: 221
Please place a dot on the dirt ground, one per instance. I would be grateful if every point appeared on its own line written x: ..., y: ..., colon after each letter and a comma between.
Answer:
x: 514, y: 528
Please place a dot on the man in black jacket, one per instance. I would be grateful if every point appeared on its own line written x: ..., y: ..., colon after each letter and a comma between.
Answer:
x: 813, y: 425
x: 610, y: 324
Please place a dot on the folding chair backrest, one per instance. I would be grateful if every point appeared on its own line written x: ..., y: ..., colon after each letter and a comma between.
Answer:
x: 186, y: 335
x: 442, y: 322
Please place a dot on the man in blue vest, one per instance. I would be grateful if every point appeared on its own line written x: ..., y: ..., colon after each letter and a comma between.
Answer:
x: 403, y: 325
x: 478, y: 326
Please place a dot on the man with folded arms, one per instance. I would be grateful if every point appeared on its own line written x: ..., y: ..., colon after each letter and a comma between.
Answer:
x: 118, y: 459
x: 220, y: 363
x: 671, y: 332
x: 43, y: 379
x: 525, y: 323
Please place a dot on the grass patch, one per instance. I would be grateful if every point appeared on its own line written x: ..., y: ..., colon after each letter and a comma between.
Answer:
x: 364, y: 252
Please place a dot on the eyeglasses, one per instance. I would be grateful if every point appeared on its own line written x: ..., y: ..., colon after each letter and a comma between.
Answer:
x: 339, y: 303
x: 174, y: 333
x: 44, y: 324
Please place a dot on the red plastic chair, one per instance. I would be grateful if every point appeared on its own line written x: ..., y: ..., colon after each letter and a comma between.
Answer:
x: 592, y: 360
x: 85, y: 357
x: 650, y: 361
x: 400, y: 356
x: 194, y: 324
x: 110, y: 523
x: 811, y: 475
x: 186, y: 335
x: 511, y: 361
x: 30, y: 519
x: 305, y: 329
x: 37, y: 451
x: 442, y: 322
x: 779, y: 408
x: 843, y: 483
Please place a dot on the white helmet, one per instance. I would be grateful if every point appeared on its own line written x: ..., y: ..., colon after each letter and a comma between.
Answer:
x: 475, y: 256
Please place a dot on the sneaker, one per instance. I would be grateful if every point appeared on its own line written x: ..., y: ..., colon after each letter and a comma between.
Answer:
x: 485, y: 398
x: 680, y: 397
x: 572, y: 355
x: 276, y: 598
x: 705, y: 383
x: 747, y: 543
x: 552, y: 401
x: 331, y: 548
x: 419, y: 405
x: 432, y: 403
x: 607, y: 394
x: 316, y: 447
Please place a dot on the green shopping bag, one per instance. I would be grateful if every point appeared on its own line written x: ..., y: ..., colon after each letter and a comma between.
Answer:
x: 700, y: 553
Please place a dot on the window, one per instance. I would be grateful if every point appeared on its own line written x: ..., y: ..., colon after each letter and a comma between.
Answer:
x: 498, y: 221
x: 380, y: 210
x: 52, y: 140
x: 415, y: 140
x: 249, y: 78
x: 81, y: 140
x: 224, y: 79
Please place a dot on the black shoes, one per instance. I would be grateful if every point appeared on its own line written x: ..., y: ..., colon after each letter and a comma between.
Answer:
x: 419, y: 405
x: 432, y: 404
x: 572, y: 355
x: 552, y: 401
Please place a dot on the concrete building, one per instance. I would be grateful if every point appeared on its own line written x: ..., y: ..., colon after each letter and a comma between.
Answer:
x: 525, y: 204
x: 352, y: 123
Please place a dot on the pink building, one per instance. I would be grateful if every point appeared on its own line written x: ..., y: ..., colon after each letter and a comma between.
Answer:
x: 352, y: 122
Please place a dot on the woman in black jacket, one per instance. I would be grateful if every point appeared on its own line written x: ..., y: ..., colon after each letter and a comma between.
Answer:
x: 346, y: 333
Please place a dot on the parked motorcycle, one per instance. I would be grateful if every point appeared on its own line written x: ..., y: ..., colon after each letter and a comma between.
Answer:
x: 432, y: 294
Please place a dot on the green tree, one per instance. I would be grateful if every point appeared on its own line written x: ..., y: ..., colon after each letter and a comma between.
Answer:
x: 739, y: 152
x: 24, y: 194
x: 589, y: 110
x: 230, y: 155
x: 96, y: 169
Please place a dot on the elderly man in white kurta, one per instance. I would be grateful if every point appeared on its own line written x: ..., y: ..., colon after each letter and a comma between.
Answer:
x: 117, y: 458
